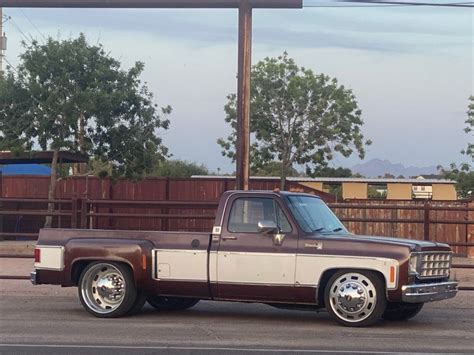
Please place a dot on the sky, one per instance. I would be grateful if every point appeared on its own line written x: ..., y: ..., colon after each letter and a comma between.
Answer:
x: 411, y: 68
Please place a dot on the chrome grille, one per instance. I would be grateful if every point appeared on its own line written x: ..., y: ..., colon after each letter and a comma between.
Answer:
x: 434, y: 264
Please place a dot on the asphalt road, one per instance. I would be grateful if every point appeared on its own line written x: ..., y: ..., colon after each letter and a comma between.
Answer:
x: 49, y: 319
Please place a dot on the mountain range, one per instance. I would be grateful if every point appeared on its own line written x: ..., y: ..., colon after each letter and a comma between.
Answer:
x: 379, y: 167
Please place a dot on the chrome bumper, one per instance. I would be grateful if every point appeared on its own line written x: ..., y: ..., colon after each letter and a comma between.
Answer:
x: 429, y: 292
x: 34, y: 277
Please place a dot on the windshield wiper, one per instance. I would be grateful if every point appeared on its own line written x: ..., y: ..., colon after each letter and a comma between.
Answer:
x: 320, y: 229
x: 338, y: 229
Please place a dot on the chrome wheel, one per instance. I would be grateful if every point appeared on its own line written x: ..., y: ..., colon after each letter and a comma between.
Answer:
x: 103, y: 288
x: 353, y: 297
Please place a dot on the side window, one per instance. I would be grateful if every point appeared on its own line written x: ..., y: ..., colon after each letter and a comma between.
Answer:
x: 247, y: 212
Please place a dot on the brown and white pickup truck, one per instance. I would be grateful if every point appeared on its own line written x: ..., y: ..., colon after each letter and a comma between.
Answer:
x: 284, y: 249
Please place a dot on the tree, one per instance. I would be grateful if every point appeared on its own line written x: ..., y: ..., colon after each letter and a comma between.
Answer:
x: 297, y: 117
x: 80, y: 100
x: 327, y: 171
x: 272, y: 168
x: 15, y: 127
x: 464, y: 177
x: 179, y: 169
x: 464, y: 174
x: 469, y: 151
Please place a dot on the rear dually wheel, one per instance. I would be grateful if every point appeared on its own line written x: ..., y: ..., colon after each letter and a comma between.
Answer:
x: 107, y: 289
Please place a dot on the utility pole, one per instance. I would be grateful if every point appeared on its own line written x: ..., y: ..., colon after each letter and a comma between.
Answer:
x: 2, y: 41
x: 243, y: 96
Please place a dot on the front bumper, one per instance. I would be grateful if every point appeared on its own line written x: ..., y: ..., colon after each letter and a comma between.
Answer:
x: 429, y: 292
x: 34, y: 277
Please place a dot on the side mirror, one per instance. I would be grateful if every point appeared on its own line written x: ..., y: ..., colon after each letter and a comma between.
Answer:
x: 267, y: 227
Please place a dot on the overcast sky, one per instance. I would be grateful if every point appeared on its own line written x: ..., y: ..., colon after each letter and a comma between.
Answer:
x: 411, y: 68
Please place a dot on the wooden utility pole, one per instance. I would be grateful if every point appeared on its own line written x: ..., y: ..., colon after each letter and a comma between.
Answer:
x: 243, y: 96
x: 2, y: 44
x: 245, y: 50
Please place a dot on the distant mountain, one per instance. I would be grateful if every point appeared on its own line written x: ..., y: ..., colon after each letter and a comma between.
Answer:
x: 379, y: 167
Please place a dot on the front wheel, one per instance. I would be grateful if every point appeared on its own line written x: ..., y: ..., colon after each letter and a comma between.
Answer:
x: 355, y: 298
x: 107, y: 290
x: 398, y: 311
x: 164, y: 303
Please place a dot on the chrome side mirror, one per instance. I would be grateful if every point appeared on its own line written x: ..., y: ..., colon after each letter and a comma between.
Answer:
x: 267, y: 227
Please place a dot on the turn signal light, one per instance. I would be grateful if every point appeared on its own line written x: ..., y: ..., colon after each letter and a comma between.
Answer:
x: 392, y: 274
x: 37, y: 255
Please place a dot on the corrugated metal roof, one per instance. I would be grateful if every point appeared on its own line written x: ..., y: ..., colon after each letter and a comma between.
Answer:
x: 45, y: 157
x: 338, y: 180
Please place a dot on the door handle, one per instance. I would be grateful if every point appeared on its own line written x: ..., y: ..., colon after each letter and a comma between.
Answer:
x: 229, y: 237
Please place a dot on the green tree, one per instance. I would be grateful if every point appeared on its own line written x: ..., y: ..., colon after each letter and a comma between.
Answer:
x: 272, y: 168
x: 469, y: 151
x: 15, y: 127
x: 179, y: 169
x: 80, y: 100
x: 326, y: 171
x: 297, y: 118
x: 464, y: 173
x: 464, y: 177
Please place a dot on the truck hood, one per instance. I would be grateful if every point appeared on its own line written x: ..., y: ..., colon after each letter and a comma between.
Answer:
x: 415, y: 245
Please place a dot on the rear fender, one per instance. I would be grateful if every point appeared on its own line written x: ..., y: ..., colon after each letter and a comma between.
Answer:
x: 135, y: 253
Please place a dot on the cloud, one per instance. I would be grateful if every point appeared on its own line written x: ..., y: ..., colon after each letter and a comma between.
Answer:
x: 392, y: 30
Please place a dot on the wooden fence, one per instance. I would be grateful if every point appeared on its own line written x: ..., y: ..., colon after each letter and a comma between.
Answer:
x: 450, y: 223
x: 187, y: 204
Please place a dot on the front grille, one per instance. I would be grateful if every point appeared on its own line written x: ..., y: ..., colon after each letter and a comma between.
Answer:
x: 434, y: 264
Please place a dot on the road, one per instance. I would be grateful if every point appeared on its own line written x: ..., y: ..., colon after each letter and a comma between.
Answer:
x: 48, y: 319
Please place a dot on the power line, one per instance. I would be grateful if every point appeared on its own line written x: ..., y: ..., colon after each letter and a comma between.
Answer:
x: 13, y: 22
x: 353, y: 6
x: 32, y: 24
x: 383, y: 2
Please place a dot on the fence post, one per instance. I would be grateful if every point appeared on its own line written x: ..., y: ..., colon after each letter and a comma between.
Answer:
x: 74, y: 213
x: 470, y: 231
x: 1, y: 196
x: 426, y: 225
x: 165, y: 221
x: 83, y: 213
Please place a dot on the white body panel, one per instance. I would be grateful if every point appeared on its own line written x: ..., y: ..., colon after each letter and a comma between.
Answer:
x: 51, y: 257
x: 301, y: 270
x: 256, y: 268
x: 182, y: 265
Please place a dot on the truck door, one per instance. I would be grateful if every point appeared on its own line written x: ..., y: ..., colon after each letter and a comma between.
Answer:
x: 251, y: 264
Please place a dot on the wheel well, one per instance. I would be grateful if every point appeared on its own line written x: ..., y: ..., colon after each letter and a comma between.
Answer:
x: 329, y: 273
x: 79, y: 266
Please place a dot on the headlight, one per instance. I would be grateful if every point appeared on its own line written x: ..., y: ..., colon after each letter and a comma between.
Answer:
x: 413, y: 268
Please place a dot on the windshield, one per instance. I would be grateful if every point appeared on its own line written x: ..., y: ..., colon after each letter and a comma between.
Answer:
x: 313, y: 215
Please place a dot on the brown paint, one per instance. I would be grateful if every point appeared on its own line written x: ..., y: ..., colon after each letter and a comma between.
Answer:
x: 134, y: 248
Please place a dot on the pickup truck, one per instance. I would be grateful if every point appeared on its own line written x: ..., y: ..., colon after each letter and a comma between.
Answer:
x: 279, y: 248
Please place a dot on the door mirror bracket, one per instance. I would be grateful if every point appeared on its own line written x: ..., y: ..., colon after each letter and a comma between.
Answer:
x: 270, y: 228
x: 267, y: 227
x: 278, y: 239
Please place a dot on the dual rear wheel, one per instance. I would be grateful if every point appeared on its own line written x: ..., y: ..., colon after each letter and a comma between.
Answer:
x: 108, y: 290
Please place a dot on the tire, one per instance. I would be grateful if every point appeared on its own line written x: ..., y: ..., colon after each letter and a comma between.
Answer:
x: 138, y: 305
x: 163, y: 303
x: 107, y: 290
x: 399, y: 311
x: 355, y: 298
